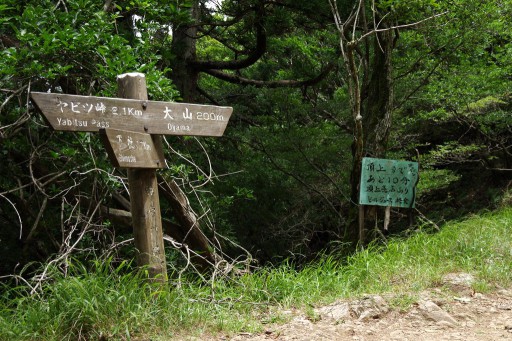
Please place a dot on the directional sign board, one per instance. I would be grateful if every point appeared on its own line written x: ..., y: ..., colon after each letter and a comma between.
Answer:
x: 388, y: 182
x: 128, y: 149
x: 86, y: 113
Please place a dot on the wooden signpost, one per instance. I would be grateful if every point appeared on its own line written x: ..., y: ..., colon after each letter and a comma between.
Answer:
x: 130, y: 127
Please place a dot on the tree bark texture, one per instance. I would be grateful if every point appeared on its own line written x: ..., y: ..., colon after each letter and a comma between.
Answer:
x: 377, y: 109
x: 372, y: 105
x: 184, y: 75
x: 379, y: 103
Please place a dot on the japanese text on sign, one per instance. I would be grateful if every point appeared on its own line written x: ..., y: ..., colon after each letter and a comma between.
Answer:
x: 128, y: 149
x: 86, y: 113
x: 388, y: 182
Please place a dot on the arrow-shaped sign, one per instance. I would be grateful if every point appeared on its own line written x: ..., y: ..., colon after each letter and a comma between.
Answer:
x: 87, y: 113
x: 128, y: 149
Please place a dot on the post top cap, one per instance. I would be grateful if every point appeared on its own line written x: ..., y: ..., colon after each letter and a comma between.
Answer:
x: 131, y: 74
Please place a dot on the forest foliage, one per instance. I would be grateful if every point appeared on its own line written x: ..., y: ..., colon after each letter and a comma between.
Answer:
x: 277, y: 185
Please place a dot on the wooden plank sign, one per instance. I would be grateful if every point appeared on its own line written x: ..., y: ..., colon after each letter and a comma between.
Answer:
x: 388, y: 182
x: 86, y: 113
x: 128, y: 149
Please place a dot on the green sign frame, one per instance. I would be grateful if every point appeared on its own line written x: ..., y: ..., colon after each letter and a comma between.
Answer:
x: 387, y: 182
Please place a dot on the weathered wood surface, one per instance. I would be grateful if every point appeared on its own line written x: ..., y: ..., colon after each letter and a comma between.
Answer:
x: 190, y: 232
x: 195, y: 240
x: 87, y: 113
x: 144, y: 199
x: 128, y: 149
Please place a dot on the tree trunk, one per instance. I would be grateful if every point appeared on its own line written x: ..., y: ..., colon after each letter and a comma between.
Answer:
x: 372, y: 119
x: 185, y: 77
x: 183, y: 46
x: 377, y: 112
x: 379, y: 104
x: 356, y: 232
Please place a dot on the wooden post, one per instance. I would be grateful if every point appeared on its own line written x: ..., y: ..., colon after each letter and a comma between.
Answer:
x: 361, y: 224
x: 144, y: 199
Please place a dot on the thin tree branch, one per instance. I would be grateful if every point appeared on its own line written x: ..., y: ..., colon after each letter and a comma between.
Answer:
x: 257, y: 53
x: 231, y: 78
x: 376, y: 30
x: 15, y: 210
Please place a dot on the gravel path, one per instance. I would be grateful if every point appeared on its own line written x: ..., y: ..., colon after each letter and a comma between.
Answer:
x: 454, y: 312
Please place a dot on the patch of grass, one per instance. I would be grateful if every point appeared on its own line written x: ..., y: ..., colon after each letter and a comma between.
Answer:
x: 402, y: 301
x: 107, y: 302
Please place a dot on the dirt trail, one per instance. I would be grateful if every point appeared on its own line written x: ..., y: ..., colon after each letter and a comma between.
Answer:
x: 454, y: 312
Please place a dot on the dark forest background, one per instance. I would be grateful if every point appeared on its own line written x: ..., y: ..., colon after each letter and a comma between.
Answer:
x: 314, y: 85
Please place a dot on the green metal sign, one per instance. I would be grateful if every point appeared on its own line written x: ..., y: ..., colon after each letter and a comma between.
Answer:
x: 388, y: 182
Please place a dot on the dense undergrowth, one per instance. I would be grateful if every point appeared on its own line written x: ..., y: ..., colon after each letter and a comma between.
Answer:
x: 105, y: 300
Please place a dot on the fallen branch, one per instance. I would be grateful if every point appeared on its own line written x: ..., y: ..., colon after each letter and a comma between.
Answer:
x: 203, y: 258
x: 188, y: 230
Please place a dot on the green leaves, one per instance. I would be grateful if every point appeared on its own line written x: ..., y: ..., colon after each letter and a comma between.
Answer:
x: 408, y: 11
x: 4, y: 18
x: 81, y: 40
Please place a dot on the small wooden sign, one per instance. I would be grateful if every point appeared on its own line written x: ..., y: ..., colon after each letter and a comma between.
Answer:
x: 129, y: 149
x: 87, y: 113
x: 388, y: 182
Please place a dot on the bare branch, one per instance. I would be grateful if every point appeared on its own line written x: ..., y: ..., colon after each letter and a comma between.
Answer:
x: 376, y: 30
x: 36, y: 222
x: 270, y: 84
x: 15, y: 210
x: 258, y: 51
